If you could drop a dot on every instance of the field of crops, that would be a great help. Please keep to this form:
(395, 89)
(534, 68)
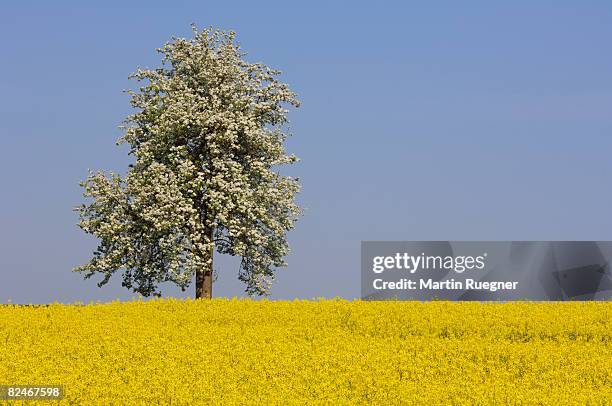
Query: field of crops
(324, 352)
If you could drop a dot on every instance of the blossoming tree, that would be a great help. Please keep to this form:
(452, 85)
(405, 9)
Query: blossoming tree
(207, 136)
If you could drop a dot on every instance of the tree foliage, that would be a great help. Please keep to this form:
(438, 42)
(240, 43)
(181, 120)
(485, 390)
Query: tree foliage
(207, 136)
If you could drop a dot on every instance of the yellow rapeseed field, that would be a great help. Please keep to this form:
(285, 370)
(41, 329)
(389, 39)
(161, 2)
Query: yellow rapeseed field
(319, 352)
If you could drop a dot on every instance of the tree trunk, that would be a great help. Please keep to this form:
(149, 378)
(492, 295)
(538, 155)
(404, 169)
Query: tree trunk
(204, 284)
(204, 278)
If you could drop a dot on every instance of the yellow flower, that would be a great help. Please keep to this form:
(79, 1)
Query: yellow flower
(235, 351)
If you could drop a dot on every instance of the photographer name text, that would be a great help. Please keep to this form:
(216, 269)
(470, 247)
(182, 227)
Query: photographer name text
(414, 263)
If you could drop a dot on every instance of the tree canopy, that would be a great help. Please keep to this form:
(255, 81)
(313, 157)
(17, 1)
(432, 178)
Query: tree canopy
(207, 136)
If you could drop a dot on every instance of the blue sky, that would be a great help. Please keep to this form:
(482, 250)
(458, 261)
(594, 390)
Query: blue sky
(430, 120)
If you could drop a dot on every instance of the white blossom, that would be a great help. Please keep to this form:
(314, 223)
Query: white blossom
(207, 136)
